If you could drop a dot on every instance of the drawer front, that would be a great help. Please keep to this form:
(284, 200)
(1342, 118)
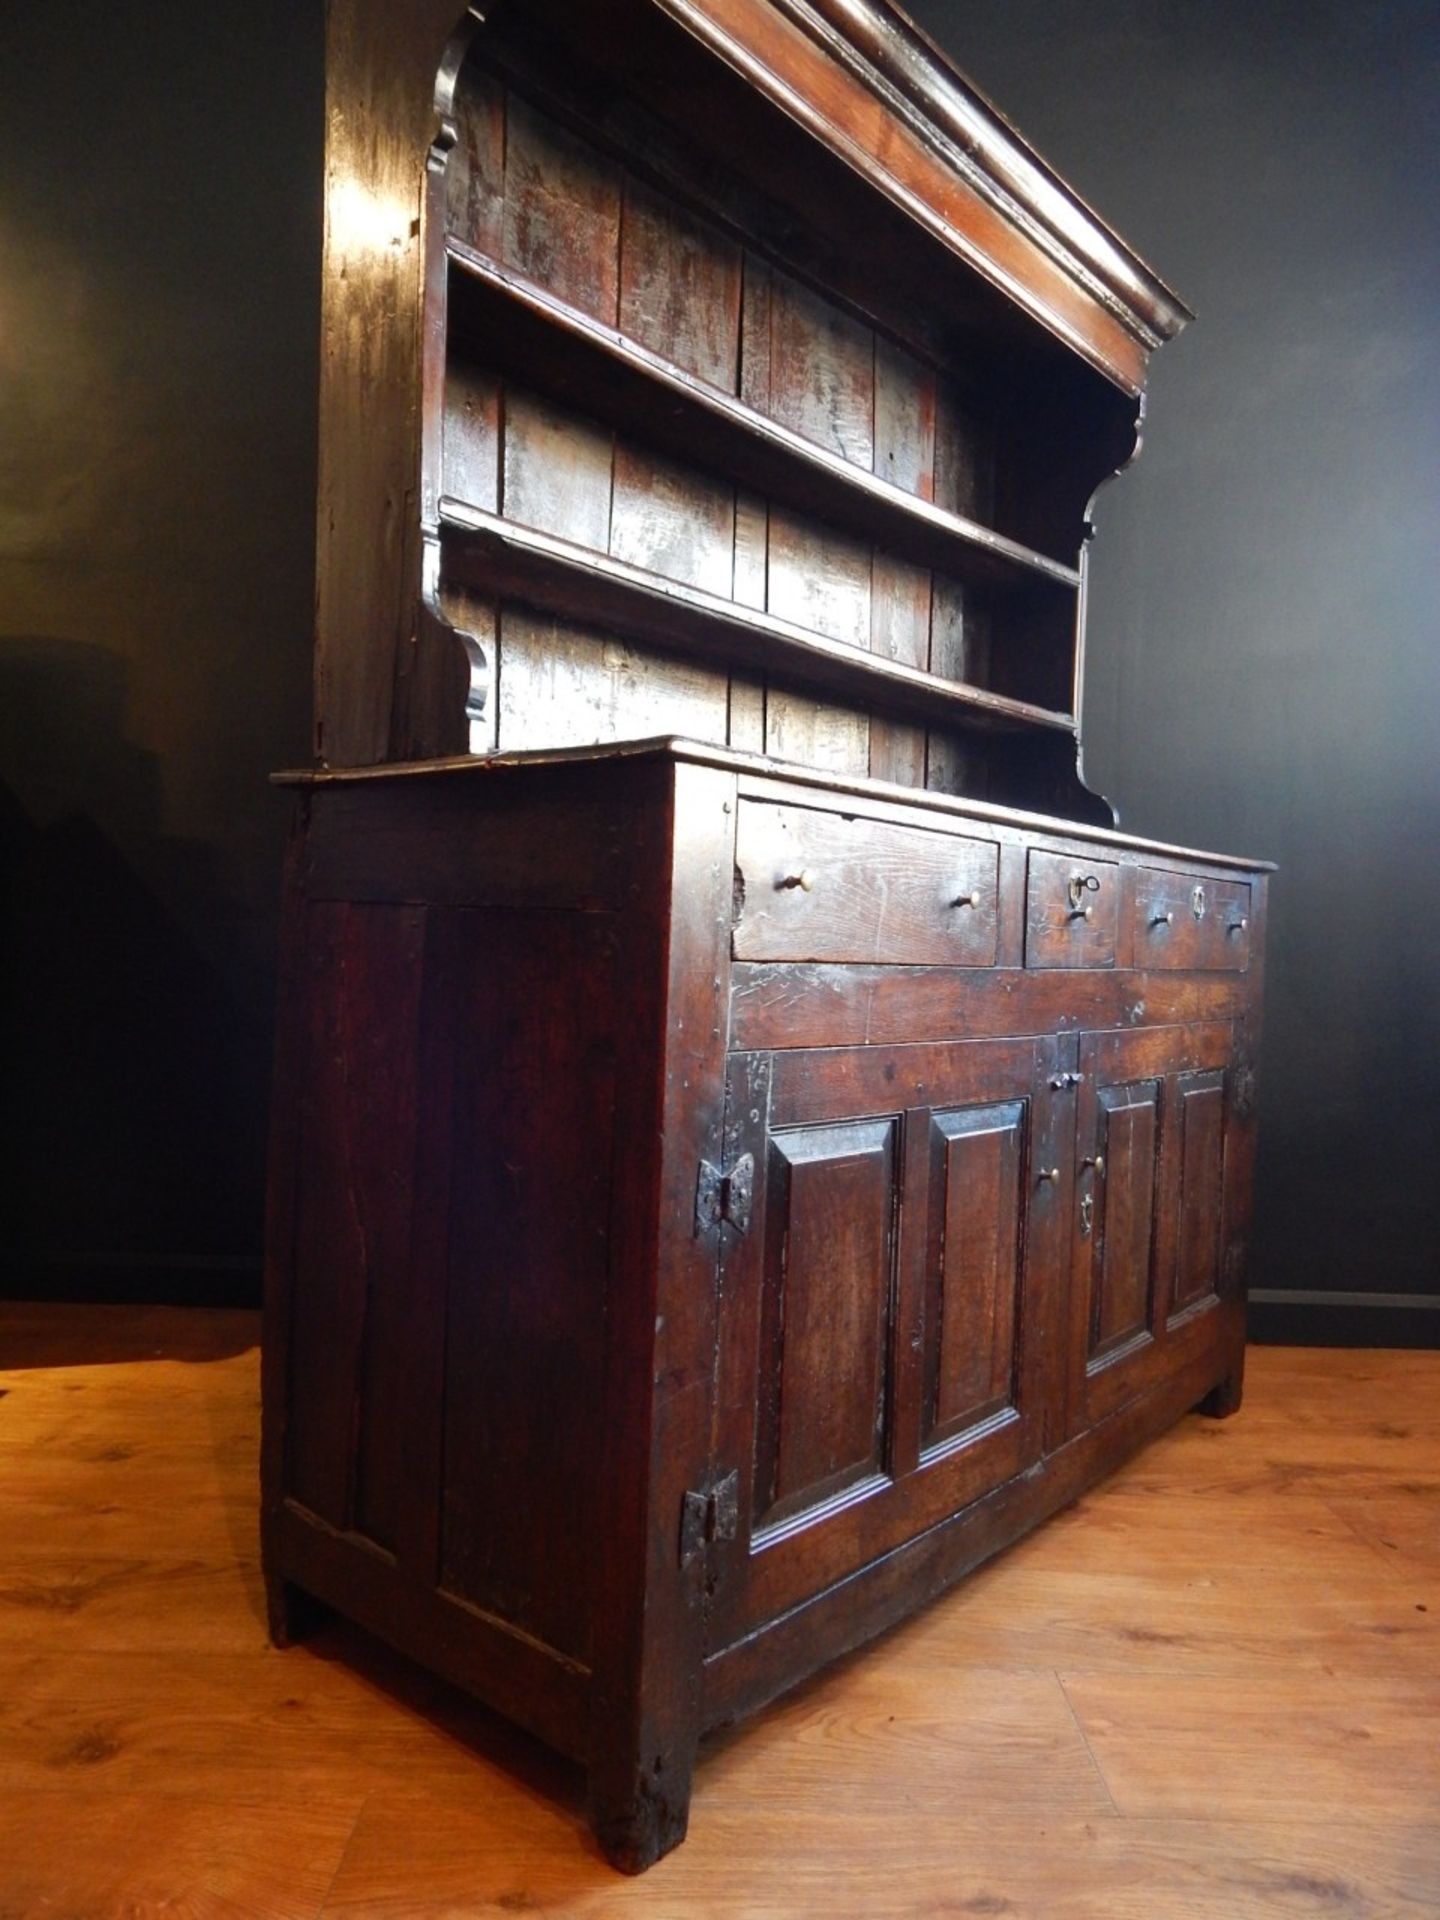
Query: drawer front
(1185, 923)
(1071, 907)
(819, 886)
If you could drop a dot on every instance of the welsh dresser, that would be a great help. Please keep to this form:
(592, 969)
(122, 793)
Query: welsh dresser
(751, 1138)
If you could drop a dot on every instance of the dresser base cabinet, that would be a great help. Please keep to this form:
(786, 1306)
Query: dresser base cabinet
(715, 1206)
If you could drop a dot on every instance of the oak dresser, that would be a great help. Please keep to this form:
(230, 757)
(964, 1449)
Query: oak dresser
(751, 1138)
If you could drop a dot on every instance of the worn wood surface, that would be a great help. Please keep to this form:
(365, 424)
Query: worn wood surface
(614, 1353)
(651, 208)
(1151, 1706)
(812, 887)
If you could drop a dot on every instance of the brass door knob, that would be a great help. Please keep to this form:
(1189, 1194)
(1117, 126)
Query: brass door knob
(804, 880)
(1166, 919)
(1049, 1174)
(968, 899)
(1095, 1160)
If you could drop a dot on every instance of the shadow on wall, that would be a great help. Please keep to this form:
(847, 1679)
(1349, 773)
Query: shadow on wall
(133, 1101)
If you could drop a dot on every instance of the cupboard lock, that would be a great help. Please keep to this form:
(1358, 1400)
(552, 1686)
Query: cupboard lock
(725, 1195)
(709, 1515)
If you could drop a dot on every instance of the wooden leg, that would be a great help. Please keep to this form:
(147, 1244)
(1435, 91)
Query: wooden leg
(1224, 1399)
(293, 1614)
(640, 1814)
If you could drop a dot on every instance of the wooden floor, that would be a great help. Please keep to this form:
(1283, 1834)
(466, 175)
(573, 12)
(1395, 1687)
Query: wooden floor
(1212, 1688)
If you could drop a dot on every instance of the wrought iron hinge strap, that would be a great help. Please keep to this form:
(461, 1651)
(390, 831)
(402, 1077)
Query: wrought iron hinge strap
(709, 1515)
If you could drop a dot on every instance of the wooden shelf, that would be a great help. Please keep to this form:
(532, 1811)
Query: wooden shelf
(498, 556)
(523, 330)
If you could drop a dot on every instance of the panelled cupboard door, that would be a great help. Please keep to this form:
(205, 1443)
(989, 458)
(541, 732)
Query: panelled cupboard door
(879, 1364)
(1152, 1122)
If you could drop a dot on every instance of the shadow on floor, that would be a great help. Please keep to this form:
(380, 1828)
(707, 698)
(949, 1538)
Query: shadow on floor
(39, 1334)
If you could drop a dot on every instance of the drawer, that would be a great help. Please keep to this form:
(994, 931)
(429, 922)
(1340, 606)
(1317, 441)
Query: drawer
(1182, 922)
(1071, 910)
(821, 886)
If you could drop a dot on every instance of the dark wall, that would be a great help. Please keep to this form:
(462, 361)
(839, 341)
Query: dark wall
(1265, 640)
(160, 231)
(1265, 666)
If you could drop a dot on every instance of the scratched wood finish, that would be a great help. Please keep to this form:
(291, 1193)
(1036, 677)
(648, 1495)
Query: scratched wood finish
(1180, 922)
(621, 160)
(825, 1314)
(816, 888)
(715, 1208)
(1152, 1110)
(972, 1264)
(527, 1264)
(991, 1240)
(888, 1434)
(722, 314)
(555, 471)
(1071, 907)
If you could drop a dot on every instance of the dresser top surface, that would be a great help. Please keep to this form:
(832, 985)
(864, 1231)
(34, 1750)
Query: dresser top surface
(467, 767)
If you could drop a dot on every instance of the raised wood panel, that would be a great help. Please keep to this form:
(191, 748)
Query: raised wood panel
(1140, 1244)
(354, 1208)
(826, 1312)
(527, 1265)
(1200, 1233)
(972, 1265)
(1122, 1263)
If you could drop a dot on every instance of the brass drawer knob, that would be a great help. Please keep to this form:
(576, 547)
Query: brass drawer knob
(1240, 925)
(1097, 1161)
(1082, 913)
(1166, 919)
(804, 880)
(1048, 1175)
(971, 899)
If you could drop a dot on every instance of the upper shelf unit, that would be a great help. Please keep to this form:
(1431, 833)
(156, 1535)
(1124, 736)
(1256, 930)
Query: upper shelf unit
(549, 344)
(497, 555)
(774, 247)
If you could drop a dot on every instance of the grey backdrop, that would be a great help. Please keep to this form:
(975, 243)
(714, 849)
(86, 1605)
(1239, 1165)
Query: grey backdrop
(1265, 673)
(1264, 665)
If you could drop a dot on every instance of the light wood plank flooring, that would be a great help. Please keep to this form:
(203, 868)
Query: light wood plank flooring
(1211, 1689)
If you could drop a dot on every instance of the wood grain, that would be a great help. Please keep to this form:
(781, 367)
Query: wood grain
(185, 1852)
(1249, 1648)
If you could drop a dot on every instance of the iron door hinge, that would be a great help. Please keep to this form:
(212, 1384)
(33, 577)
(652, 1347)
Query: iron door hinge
(712, 1515)
(726, 1195)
